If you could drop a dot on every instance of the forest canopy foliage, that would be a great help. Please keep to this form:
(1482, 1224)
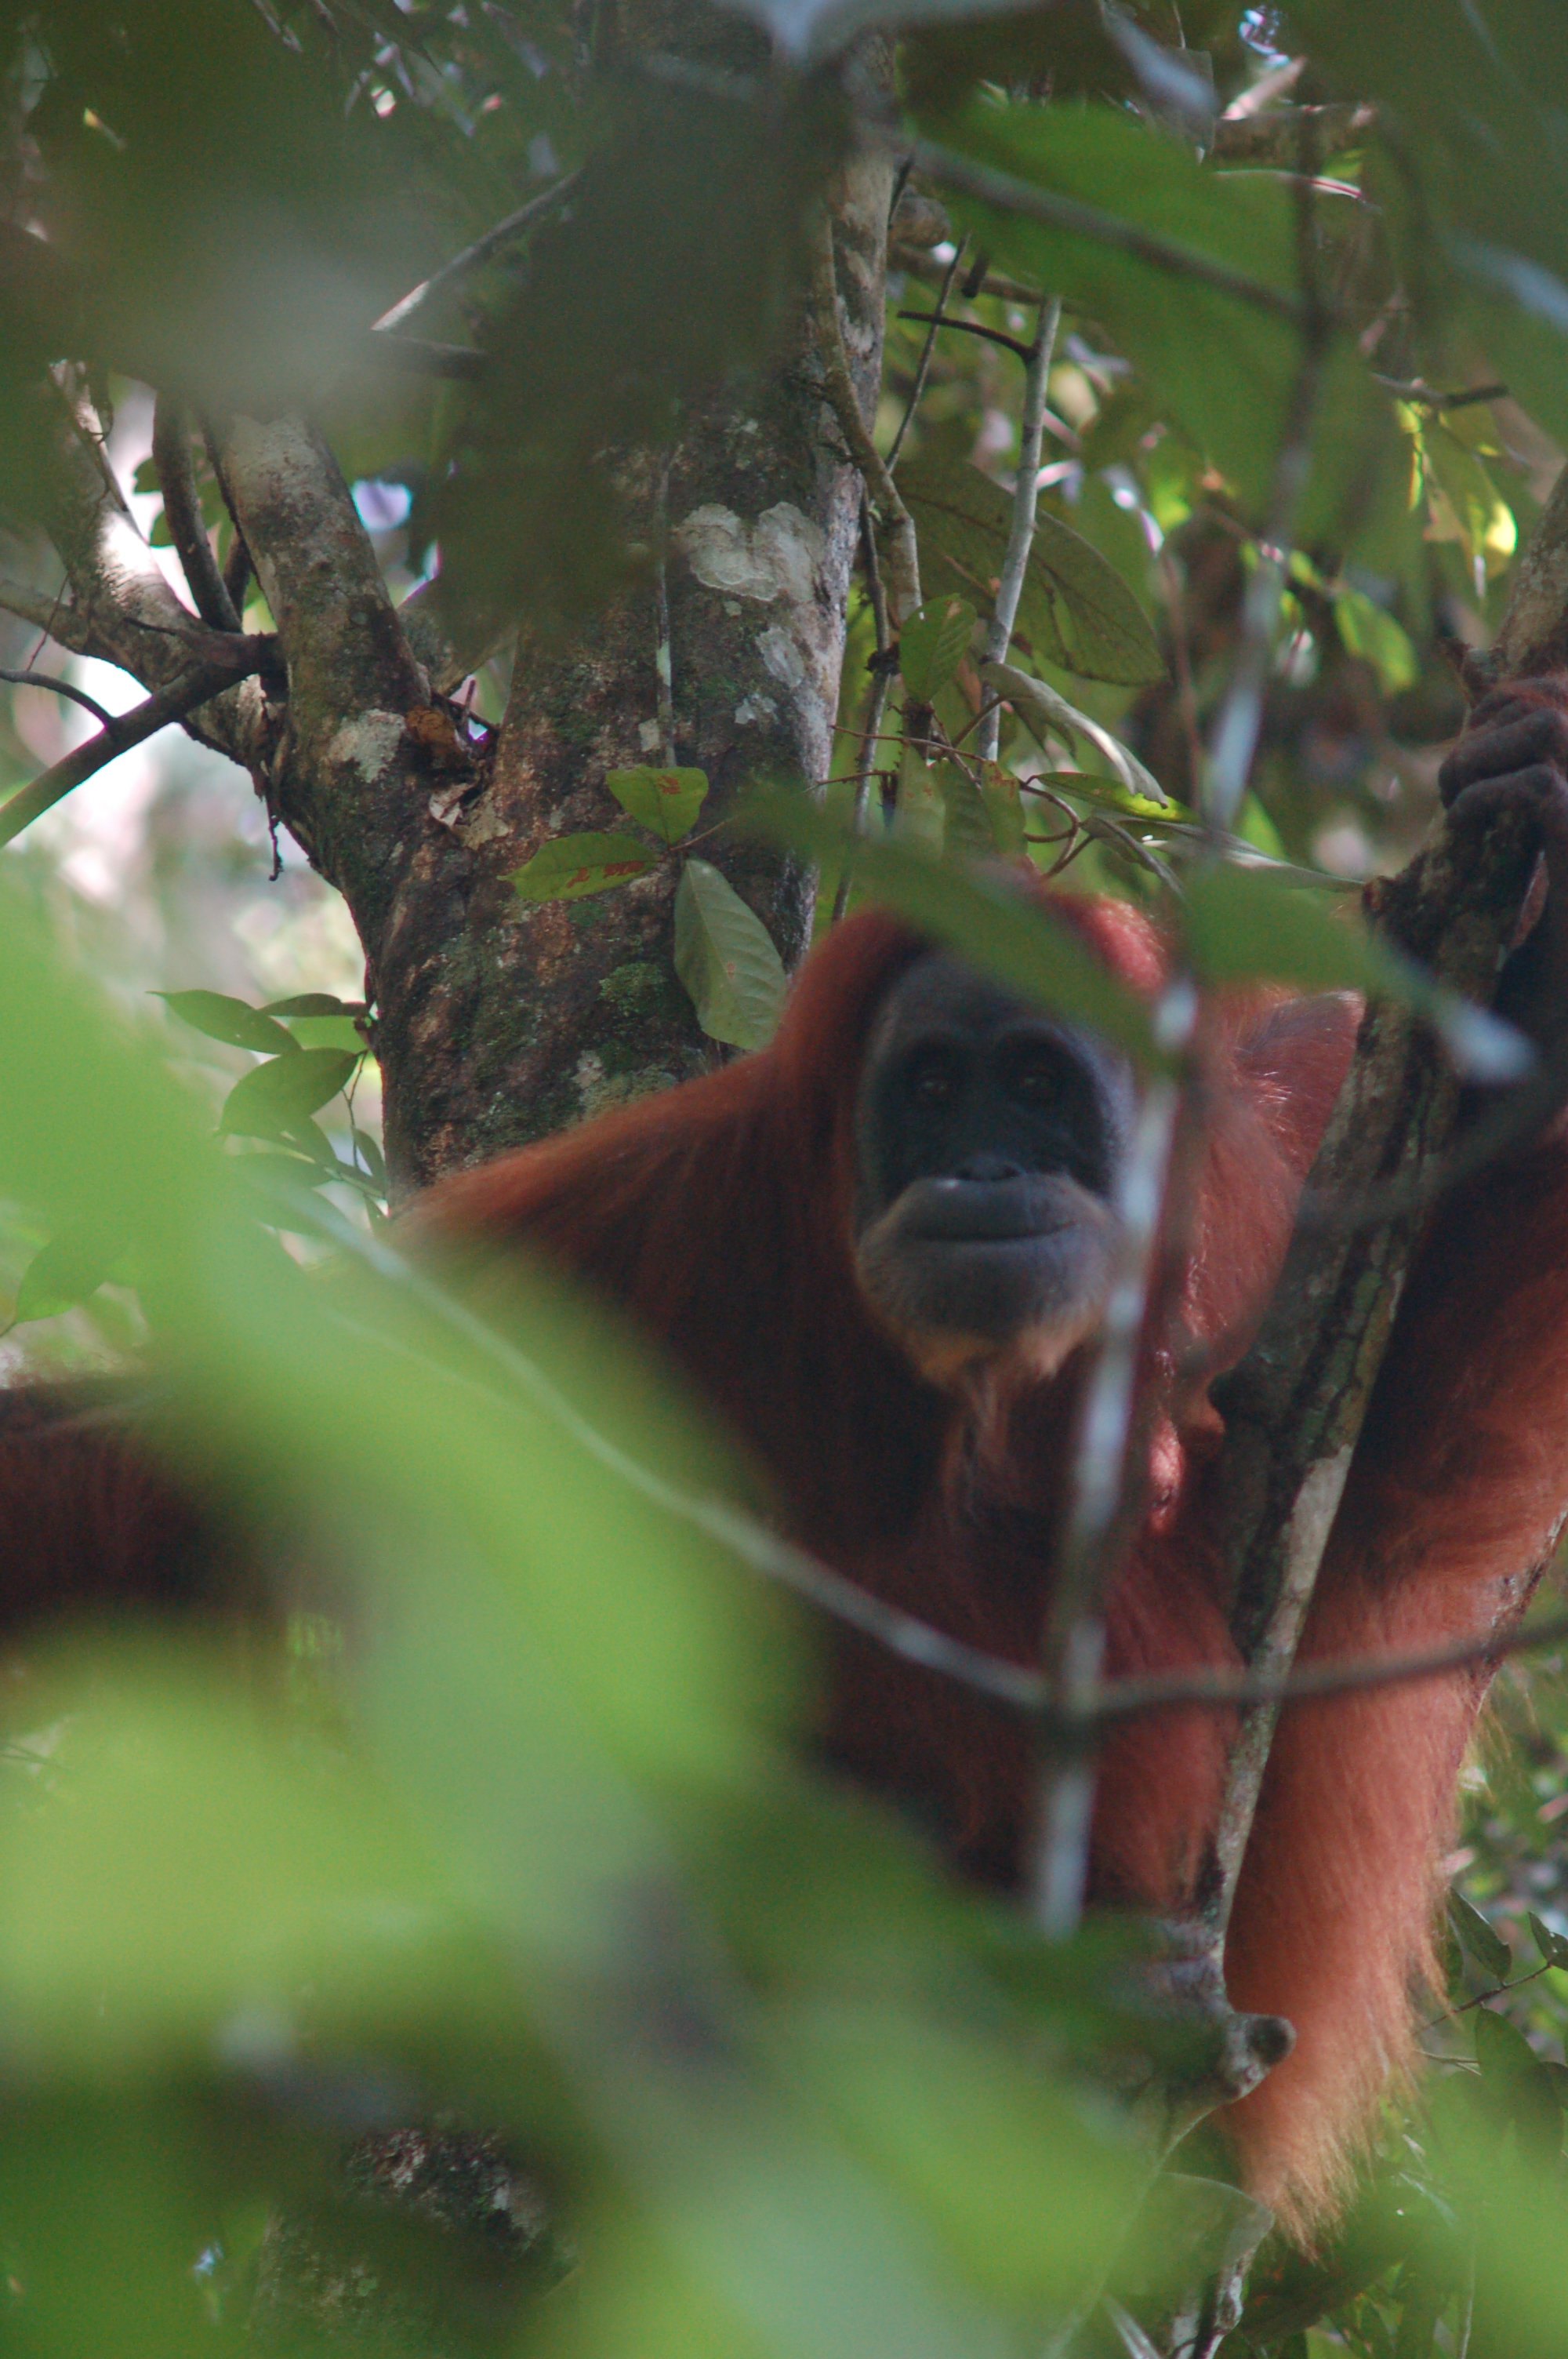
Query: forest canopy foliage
(525, 1847)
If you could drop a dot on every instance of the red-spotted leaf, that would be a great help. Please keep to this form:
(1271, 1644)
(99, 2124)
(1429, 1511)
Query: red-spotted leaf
(568, 866)
(666, 802)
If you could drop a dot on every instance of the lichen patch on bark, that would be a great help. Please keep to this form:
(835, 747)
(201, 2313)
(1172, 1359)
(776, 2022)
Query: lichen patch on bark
(780, 556)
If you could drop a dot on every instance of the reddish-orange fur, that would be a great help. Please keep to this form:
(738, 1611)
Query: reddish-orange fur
(719, 1215)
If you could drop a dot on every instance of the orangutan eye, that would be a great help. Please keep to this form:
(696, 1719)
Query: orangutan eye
(933, 1079)
(1035, 1080)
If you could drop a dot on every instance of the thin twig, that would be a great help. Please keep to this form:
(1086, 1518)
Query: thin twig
(1009, 290)
(194, 686)
(903, 563)
(876, 706)
(1105, 1500)
(469, 259)
(1025, 504)
(1237, 725)
(61, 688)
(54, 616)
(922, 367)
(1009, 194)
(664, 670)
(1424, 397)
(973, 328)
(182, 513)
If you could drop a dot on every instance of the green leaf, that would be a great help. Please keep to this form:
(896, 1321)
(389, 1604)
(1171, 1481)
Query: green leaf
(63, 1273)
(1553, 1947)
(233, 1020)
(1470, 501)
(1370, 631)
(1525, 2090)
(1076, 611)
(933, 644)
(726, 958)
(314, 1003)
(372, 1157)
(283, 1091)
(1479, 1939)
(568, 866)
(666, 802)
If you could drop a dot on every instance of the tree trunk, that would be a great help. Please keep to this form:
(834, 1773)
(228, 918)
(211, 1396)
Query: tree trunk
(501, 1020)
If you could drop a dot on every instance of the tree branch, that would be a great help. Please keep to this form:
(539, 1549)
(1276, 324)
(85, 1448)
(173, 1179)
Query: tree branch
(343, 787)
(504, 232)
(183, 694)
(1025, 504)
(182, 513)
(1294, 1406)
(1275, 137)
(903, 563)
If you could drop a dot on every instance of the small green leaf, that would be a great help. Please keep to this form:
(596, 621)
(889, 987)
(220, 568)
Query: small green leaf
(1465, 500)
(314, 1003)
(283, 1091)
(1526, 2093)
(726, 958)
(1553, 1947)
(933, 644)
(370, 1155)
(61, 1274)
(666, 802)
(1367, 630)
(1479, 1939)
(568, 866)
(233, 1020)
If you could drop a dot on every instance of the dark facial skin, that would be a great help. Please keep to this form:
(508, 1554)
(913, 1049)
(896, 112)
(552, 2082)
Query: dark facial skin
(989, 1143)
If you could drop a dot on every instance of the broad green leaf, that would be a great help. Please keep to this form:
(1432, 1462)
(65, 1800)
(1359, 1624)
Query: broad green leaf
(1076, 611)
(664, 801)
(1479, 1939)
(932, 644)
(1371, 631)
(1524, 2089)
(233, 1020)
(568, 866)
(1467, 501)
(314, 1003)
(266, 1103)
(726, 958)
(66, 1271)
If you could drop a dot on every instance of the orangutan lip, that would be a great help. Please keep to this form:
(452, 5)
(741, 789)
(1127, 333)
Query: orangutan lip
(969, 1211)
